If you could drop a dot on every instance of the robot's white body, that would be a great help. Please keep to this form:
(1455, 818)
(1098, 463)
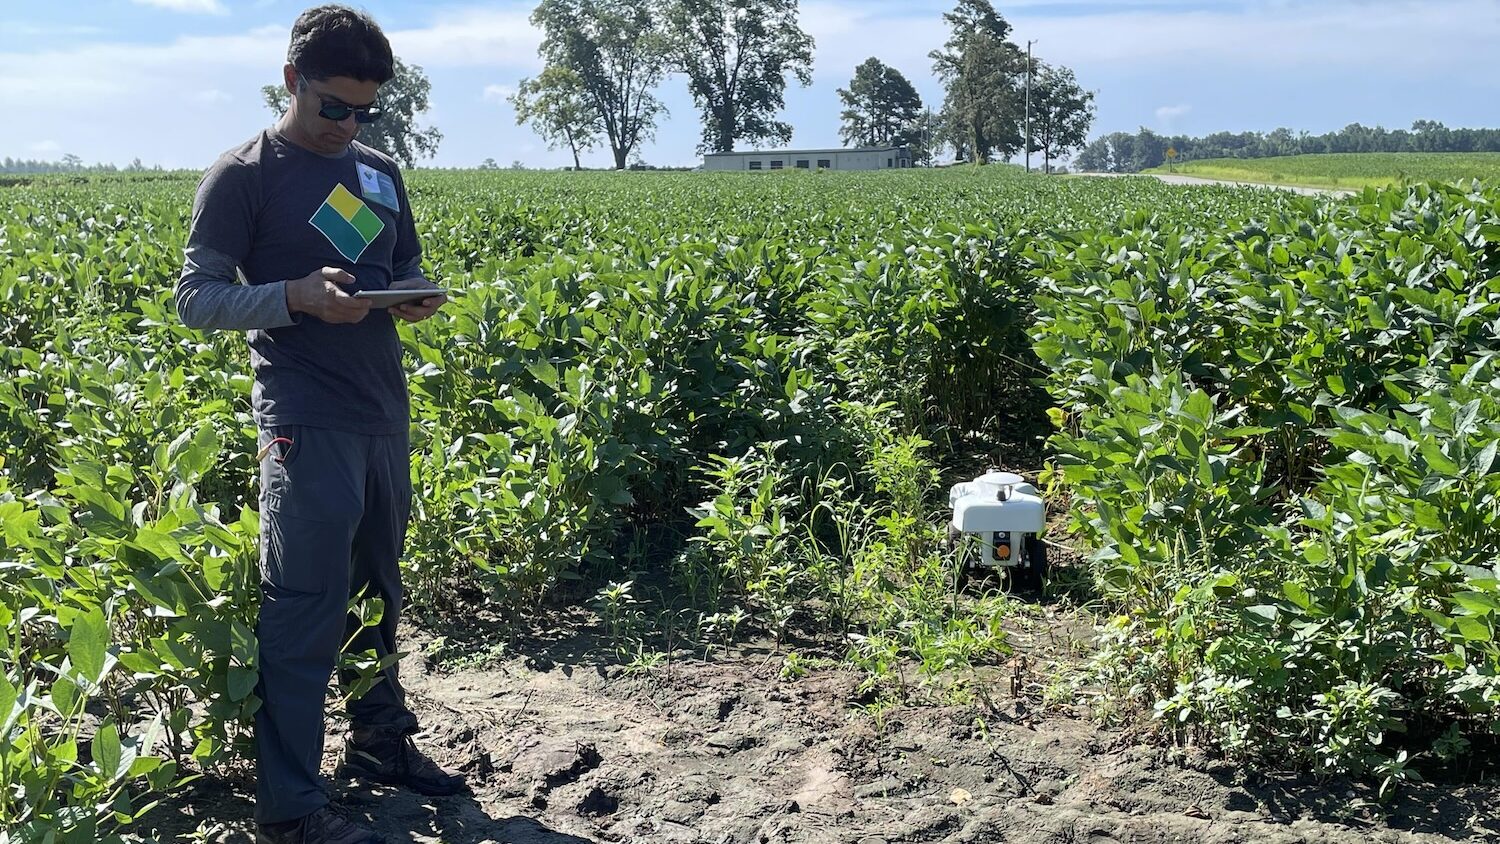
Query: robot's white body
(1009, 517)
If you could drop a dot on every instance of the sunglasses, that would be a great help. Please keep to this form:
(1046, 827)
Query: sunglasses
(340, 111)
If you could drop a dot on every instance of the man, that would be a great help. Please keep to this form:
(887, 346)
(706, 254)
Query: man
(308, 216)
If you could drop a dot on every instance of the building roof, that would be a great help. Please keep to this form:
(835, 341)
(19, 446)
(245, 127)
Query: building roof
(804, 151)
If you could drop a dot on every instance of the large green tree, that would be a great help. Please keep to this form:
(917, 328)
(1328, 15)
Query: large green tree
(558, 108)
(1061, 113)
(619, 53)
(880, 107)
(396, 133)
(737, 55)
(985, 76)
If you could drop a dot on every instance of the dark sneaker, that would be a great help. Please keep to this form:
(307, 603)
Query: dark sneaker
(391, 757)
(325, 826)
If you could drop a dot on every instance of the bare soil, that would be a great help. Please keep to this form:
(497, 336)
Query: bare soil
(563, 745)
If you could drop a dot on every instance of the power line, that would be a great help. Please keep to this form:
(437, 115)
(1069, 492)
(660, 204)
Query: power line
(1028, 103)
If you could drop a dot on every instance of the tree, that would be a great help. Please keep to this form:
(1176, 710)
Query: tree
(395, 133)
(985, 104)
(618, 51)
(1150, 150)
(1061, 113)
(1095, 158)
(880, 107)
(737, 55)
(1122, 152)
(558, 108)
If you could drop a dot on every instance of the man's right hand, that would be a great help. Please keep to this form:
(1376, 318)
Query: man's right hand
(321, 295)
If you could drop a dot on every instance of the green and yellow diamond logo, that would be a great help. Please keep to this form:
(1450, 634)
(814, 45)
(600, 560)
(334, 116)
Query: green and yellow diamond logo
(347, 223)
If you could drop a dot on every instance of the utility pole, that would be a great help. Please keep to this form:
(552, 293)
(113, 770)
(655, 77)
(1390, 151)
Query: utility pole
(1028, 103)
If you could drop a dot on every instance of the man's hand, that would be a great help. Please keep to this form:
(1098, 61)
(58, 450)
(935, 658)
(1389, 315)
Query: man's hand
(320, 295)
(417, 311)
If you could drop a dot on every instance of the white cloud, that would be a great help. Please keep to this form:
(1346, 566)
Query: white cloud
(497, 93)
(1268, 33)
(143, 84)
(46, 147)
(846, 33)
(137, 88)
(472, 38)
(32, 30)
(1166, 113)
(192, 7)
(136, 69)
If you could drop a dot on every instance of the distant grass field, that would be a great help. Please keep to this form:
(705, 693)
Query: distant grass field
(1348, 170)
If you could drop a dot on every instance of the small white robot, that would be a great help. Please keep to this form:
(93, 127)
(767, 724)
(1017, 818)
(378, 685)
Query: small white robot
(1009, 517)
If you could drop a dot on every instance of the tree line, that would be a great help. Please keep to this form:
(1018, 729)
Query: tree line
(1123, 152)
(69, 164)
(605, 59)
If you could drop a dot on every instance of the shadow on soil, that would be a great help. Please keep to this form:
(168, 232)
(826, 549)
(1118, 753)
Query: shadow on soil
(563, 745)
(222, 810)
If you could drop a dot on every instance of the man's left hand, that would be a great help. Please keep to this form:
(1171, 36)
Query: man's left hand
(417, 311)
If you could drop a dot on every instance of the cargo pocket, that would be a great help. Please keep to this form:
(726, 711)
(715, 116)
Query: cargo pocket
(301, 555)
(276, 465)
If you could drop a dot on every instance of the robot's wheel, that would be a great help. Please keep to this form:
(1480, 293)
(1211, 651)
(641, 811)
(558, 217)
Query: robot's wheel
(1032, 575)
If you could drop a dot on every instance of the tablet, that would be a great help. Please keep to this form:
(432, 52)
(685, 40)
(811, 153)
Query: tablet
(386, 298)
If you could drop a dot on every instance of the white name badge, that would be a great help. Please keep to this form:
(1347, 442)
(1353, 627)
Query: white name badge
(378, 187)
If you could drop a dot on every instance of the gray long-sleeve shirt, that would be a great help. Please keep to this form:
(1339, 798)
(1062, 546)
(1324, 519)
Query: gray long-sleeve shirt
(213, 294)
(269, 211)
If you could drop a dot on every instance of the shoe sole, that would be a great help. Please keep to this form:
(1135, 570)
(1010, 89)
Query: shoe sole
(347, 772)
(375, 838)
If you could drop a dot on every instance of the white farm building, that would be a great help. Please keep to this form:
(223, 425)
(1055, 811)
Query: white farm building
(859, 158)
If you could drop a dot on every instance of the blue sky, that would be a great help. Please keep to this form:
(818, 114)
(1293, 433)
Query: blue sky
(174, 82)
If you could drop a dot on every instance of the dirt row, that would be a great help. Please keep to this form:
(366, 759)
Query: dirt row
(563, 747)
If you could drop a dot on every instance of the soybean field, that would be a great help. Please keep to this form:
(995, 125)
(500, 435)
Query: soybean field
(1351, 170)
(681, 451)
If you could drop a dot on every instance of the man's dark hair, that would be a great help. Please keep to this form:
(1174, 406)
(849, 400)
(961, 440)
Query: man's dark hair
(335, 40)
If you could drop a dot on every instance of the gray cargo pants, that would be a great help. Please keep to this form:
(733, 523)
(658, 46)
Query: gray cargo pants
(333, 515)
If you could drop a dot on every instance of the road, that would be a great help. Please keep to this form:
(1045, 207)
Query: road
(1179, 179)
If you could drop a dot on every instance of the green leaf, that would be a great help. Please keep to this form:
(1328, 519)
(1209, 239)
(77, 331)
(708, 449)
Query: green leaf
(243, 643)
(64, 696)
(1479, 603)
(1200, 407)
(159, 545)
(1482, 461)
(216, 569)
(1468, 418)
(1205, 470)
(10, 707)
(108, 755)
(88, 642)
(1296, 594)
(200, 458)
(1473, 629)
(1263, 613)
(1435, 457)
(162, 593)
(241, 682)
(1315, 510)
